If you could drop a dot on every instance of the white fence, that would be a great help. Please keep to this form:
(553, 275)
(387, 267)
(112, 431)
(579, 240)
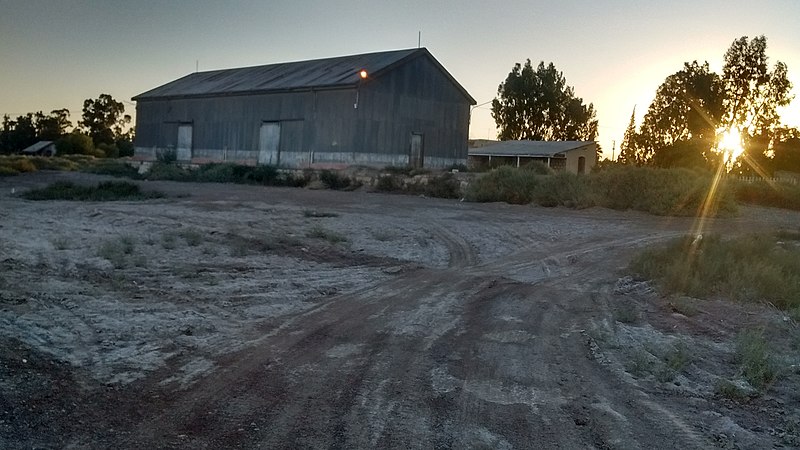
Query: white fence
(787, 180)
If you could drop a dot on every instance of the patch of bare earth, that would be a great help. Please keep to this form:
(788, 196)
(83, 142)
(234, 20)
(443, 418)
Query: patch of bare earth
(236, 317)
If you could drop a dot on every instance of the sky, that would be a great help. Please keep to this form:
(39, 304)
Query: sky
(615, 53)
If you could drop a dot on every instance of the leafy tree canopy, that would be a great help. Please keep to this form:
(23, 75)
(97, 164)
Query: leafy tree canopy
(787, 155)
(30, 128)
(104, 119)
(52, 126)
(628, 149)
(539, 105)
(17, 134)
(752, 92)
(688, 106)
(694, 105)
(76, 143)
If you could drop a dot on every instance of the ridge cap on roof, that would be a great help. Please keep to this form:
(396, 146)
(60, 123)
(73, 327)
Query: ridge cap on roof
(312, 60)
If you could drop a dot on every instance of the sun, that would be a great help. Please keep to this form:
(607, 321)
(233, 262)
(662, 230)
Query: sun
(730, 144)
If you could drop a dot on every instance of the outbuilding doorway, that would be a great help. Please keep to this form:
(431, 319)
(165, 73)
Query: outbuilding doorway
(416, 158)
(183, 151)
(269, 141)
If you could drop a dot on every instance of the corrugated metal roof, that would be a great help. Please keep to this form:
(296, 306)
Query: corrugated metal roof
(529, 148)
(39, 146)
(341, 71)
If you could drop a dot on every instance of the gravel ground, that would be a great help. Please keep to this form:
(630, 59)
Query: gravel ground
(252, 317)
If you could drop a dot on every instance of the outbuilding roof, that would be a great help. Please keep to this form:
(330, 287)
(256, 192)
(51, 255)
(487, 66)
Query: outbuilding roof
(529, 148)
(343, 71)
(37, 147)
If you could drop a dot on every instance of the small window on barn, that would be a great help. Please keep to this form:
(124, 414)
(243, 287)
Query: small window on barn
(581, 164)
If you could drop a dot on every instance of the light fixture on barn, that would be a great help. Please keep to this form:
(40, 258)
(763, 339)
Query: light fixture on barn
(363, 74)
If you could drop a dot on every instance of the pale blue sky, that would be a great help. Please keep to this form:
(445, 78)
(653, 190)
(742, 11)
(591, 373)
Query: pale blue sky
(55, 54)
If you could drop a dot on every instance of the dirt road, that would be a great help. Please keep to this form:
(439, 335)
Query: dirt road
(251, 317)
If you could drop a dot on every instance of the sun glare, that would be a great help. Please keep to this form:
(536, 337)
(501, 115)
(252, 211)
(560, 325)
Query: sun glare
(730, 144)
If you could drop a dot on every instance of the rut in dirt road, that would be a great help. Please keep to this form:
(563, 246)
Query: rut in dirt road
(430, 359)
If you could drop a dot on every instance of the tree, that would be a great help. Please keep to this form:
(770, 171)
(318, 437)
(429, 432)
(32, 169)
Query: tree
(786, 150)
(75, 143)
(17, 134)
(753, 93)
(753, 96)
(688, 107)
(695, 106)
(104, 120)
(539, 105)
(628, 147)
(53, 126)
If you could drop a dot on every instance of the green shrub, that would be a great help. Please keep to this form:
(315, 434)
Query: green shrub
(562, 189)
(109, 150)
(778, 195)
(115, 168)
(192, 237)
(319, 214)
(714, 266)
(728, 389)
(322, 233)
(294, 180)
(388, 183)
(678, 358)
(538, 168)
(166, 171)
(125, 147)
(20, 164)
(168, 240)
(640, 364)
(167, 155)
(105, 191)
(75, 143)
(399, 170)
(333, 180)
(15, 164)
(219, 173)
(757, 364)
(226, 173)
(443, 186)
(6, 171)
(54, 163)
(266, 175)
(117, 250)
(504, 184)
(677, 192)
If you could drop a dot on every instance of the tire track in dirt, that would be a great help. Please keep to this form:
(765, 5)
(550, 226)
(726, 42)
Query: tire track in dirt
(462, 254)
(378, 395)
(490, 355)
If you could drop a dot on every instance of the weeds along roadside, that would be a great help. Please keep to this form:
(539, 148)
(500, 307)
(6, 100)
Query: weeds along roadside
(762, 268)
(673, 192)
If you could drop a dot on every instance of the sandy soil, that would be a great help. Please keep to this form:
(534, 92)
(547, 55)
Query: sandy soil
(248, 317)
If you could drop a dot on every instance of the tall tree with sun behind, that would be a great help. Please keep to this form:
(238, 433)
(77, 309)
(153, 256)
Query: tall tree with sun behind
(680, 125)
(699, 117)
(753, 95)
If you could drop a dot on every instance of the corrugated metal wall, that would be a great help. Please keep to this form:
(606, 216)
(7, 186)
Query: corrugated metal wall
(415, 98)
(370, 125)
